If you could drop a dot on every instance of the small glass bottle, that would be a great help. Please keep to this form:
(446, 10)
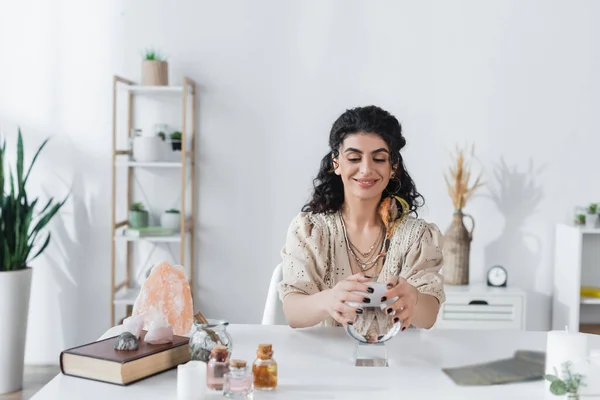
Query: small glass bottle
(265, 368)
(217, 367)
(238, 381)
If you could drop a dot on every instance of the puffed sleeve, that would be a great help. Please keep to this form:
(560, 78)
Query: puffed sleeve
(424, 261)
(303, 256)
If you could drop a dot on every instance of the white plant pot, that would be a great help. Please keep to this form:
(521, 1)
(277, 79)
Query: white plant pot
(170, 220)
(591, 220)
(15, 288)
(148, 148)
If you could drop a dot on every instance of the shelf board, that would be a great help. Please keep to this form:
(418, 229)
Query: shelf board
(126, 296)
(153, 89)
(590, 231)
(590, 300)
(152, 164)
(155, 239)
(582, 229)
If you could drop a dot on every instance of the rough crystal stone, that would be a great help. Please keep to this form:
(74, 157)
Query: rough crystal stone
(126, 341)
(134, 324)
(159, 335)
(166, 299)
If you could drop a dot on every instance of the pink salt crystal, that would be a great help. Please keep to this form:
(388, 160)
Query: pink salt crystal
(160, 335)
(166, 299)
(134, 324)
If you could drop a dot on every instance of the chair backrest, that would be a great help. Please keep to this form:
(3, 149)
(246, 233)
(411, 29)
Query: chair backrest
(273, 312)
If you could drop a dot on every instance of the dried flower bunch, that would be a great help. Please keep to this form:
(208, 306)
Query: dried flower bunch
(458, 182)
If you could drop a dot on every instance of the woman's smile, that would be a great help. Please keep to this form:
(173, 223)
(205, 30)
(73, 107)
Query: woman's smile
(365, 183)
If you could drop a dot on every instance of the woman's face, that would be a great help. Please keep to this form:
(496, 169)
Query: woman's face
(364, 165)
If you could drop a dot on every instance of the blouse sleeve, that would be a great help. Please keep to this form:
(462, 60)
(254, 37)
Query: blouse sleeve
(302, 257)
(423, 262)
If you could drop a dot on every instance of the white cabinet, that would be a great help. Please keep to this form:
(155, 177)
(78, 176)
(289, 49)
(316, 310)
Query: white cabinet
(576, 264)
(478, 306)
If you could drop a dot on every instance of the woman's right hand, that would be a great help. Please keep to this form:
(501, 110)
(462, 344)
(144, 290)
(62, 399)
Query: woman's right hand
(336, 298)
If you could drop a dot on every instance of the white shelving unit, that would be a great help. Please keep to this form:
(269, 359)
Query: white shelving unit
(576, 264)
(125, 292)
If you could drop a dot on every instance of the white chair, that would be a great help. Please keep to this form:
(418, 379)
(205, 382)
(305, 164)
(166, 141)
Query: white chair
(273, 312)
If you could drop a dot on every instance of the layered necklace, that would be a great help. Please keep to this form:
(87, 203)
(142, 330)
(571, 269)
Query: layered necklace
(370, 258)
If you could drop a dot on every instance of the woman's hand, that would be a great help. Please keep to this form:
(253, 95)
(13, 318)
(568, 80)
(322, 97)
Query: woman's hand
(335, 301)
(403, 309)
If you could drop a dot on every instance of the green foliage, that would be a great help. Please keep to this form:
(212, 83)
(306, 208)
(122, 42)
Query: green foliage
(172, 211)
(592, 208)
(153, 55)
(580, 218)
(137, 207)
(176, 135)
(162, 135)
(568, 383)
(20, 224)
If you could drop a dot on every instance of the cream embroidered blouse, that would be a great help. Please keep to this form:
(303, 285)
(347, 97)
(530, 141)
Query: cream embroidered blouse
(315, 256)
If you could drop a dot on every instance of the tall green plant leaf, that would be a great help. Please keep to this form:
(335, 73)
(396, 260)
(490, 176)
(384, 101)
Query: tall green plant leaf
(46, 243)
(20, 164)
(2, 170)
(37, 153)
(20, 224)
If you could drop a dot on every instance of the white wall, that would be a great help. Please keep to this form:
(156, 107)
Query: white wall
(516, 78)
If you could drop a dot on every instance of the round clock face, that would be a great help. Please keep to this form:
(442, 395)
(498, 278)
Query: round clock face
(497, 276)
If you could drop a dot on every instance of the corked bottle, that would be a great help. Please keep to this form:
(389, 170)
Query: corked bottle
(265, 368)
(218, 366)
(238, 381)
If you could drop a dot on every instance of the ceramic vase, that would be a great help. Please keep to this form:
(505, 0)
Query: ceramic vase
(15, 289)
(457, 250)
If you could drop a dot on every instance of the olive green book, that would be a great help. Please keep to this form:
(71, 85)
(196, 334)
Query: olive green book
(523, 366)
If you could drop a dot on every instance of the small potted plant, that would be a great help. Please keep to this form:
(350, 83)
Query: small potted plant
(591, 215)
(568, 384)
(155, 69)
(138, 216)
(171, 219)
(147, 148)
(176, 141)
(580, 219)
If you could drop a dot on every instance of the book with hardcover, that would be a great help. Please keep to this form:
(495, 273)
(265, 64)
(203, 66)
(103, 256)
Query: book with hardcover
(99, 360)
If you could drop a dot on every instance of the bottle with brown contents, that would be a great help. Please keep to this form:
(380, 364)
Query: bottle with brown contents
(217, 367)
(264, 368)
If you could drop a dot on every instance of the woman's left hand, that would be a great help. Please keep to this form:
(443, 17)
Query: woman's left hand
(403, 308)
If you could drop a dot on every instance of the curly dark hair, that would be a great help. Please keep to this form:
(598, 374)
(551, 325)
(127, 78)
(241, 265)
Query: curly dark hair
(328, 193)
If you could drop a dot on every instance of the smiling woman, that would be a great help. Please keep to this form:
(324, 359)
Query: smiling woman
(361, 226)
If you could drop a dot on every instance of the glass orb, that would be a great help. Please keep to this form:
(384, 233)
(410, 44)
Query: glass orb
(373, 326)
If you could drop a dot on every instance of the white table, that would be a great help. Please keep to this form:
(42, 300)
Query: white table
(317, 364)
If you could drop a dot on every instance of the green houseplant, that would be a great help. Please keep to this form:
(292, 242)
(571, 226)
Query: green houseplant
(155, 69)
(176, 140)
(567, 384)
(171, 219)
(138, 216)
(22, 239)
(592, 215)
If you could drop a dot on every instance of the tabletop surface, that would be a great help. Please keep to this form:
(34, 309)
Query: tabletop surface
(316, 363)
